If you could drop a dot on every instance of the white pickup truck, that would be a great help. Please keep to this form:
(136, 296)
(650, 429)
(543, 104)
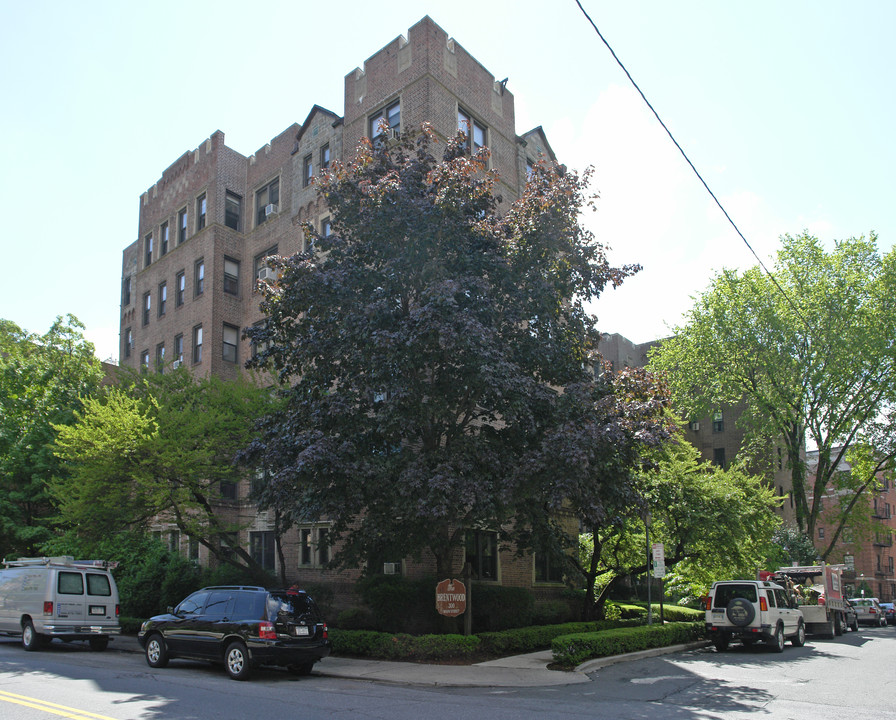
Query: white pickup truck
(819, 591)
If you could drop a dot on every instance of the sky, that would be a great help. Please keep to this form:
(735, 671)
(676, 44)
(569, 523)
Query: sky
(787, 110)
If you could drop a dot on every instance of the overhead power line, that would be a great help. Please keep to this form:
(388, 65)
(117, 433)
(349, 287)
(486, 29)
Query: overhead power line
(688, 160)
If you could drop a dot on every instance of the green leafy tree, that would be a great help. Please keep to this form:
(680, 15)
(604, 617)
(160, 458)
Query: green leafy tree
(810, 351)
(43, 381)
(158, 445)
(713, 522)
(431, 350)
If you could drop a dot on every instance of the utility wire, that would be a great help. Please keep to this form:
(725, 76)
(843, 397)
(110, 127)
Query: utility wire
(699, 177)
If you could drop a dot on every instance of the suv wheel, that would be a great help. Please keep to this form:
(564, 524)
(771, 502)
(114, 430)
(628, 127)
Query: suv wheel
(799, 639)
(301, 668)
(156, 652)
(236, 660)
(777, 640)
(740, 612)
(721, 643)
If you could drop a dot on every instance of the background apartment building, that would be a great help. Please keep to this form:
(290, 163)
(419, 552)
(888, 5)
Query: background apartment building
(206, 226)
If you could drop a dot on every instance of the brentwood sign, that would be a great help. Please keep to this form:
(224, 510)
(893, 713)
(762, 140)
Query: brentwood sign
(451, 598)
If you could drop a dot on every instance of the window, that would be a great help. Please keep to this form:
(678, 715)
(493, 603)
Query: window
(163, 298)
(70, 583)
(718, 423)
(311, 539)
(199, 278)
(128, 342)
(718, 457)
(181, 226)
(307, 171)
(179, 348)
(201, 210)
(325, 157)
(261, 548)
(232, 206)
(197, 344)
(547, 569)
(163, 239)
(325, 228)
(144, 361)
(180, 285)
(258, 263)
(390, 116)
(821, 533)
(267, 201)
(230, 343)
(259, 347)
(482, 554)
(147, 250)
(160, 356)
(193, 550)
(174, 541)
(126, 291)
(231, 276)
(147, 305)
(473, 129)
(228, 490)
(98, 585)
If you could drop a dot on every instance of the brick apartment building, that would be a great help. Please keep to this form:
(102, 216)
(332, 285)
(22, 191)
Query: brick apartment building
(206, 226)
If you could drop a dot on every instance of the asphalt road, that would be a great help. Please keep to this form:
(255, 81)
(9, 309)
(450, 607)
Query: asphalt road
(846, 677)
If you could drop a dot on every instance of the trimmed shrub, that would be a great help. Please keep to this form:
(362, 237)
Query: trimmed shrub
(496, 607)
(571, 650)
(552, 612)
(401, 646)
(398, 604)
(531, 639)
(354, 619)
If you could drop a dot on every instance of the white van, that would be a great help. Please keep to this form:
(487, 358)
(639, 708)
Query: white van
(58, 597)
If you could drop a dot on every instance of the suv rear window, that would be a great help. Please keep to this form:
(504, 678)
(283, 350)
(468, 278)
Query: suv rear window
(287, 604)
(726, 593)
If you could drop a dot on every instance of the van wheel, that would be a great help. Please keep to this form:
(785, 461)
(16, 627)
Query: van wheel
(98, 644)
(156, 652)
(30, 639)
(236, 660)
(777, 640)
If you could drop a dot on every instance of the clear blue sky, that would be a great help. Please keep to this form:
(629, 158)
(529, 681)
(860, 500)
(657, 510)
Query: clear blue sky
(786, 108)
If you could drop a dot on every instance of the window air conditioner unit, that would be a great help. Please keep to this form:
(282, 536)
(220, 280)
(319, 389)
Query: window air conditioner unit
(267, 273)
(270, 209)
(391, 568)
(176, 364)
(392, 133)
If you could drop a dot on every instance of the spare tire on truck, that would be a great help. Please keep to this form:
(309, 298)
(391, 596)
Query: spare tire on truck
(740, 612)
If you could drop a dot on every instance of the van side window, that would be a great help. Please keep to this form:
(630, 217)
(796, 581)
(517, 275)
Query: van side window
(98, 585)
(70, 583)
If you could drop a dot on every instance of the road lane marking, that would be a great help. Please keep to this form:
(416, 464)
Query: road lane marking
(49, 707)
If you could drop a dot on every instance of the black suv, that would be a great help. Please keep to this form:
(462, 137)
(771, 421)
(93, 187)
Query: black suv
(241, 627)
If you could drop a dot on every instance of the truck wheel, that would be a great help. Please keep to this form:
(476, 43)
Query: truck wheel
(799, 639)
(30, 639)
(777, 640)
(855, 625)
(832, 631)
(838, 624)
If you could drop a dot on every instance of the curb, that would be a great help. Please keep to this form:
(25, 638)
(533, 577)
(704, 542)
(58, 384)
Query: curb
(598, 663)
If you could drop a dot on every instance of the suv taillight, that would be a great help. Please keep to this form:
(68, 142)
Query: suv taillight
(48, 607)
(707, 603)
(763, 605)
(266, 630)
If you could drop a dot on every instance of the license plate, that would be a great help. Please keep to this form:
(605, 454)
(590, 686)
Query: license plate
(300, 630)
(97, 609)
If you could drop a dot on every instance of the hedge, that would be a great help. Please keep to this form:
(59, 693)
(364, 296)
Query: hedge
(540, 637)
(401, 646)
(571, 650)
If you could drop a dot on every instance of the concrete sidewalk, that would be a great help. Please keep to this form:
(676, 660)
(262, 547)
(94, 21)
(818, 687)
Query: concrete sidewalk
(530, 670)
